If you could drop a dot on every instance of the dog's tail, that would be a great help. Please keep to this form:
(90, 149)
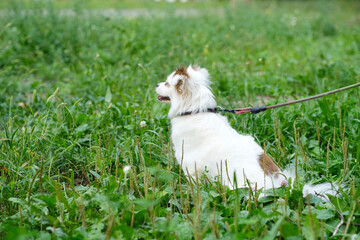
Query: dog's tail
(316, 189)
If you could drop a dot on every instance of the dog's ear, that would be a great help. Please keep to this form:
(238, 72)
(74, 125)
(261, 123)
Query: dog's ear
(195, 67)
(181, 81)
(198, 69)
(180, 86)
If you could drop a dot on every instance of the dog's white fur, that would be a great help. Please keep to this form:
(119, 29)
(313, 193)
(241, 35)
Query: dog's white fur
(205, 141)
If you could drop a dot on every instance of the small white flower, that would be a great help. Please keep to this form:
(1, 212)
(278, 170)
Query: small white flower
(260, 59)
(126, 169)
(232, 27)
(142, 124)
(21, 104)
(293, 21)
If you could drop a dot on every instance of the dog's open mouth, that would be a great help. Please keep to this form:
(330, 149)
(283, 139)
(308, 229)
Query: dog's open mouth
(163, 99)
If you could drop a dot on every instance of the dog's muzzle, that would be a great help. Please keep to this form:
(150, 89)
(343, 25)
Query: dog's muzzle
(163, 99)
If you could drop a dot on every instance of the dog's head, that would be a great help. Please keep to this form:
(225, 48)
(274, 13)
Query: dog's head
(187, 89)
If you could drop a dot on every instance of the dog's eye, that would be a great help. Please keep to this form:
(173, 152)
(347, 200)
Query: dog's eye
(167, 84)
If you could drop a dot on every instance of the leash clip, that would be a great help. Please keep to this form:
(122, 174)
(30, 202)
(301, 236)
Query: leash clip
(256, 110)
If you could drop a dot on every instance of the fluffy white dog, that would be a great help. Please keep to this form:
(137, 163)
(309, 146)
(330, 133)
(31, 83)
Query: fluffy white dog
(204, 141)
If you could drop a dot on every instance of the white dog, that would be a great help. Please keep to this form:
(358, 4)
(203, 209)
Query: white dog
(204, 141)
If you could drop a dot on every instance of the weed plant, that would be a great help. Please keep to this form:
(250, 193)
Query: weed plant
(75, 86)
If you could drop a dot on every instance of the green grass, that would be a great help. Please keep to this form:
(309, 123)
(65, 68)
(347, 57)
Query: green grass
(120, 4)
(74, 89)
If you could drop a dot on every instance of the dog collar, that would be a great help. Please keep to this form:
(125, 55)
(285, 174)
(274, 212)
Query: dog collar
(213, 110)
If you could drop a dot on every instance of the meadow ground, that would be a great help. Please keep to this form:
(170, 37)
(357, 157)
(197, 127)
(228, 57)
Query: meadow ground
(74, 89)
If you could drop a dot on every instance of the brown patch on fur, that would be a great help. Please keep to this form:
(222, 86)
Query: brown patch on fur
(179, 86)
(182, 71)
(267, 165)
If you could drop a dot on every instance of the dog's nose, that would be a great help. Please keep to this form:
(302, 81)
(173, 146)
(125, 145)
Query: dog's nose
(157, 84)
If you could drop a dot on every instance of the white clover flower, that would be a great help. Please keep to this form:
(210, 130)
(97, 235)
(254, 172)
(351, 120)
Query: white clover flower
(126, 169)
(21, 104)
(142, 124)
(293, 21)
